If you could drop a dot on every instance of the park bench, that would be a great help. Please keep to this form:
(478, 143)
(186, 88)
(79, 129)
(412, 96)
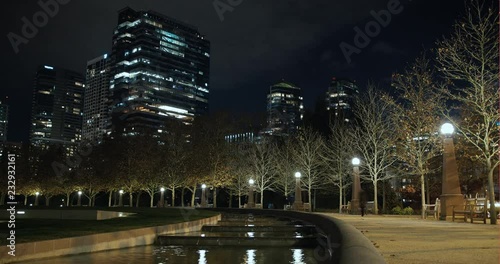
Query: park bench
(473, 208)
(433, 209)
(346, 208)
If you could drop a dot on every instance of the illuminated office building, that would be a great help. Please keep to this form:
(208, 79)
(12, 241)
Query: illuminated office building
(95, 109)
(340, 99)
(57, 109)
(160, 73)
(285, 109)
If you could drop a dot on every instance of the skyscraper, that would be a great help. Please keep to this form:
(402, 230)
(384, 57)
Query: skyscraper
(340, 99)
(160, 72)
(95, 109)
(285, 109)
(4, 121)
(57, 108)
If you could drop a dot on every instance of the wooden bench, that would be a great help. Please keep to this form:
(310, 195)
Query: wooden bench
(473, 208)
(433, 209)
(346, 208)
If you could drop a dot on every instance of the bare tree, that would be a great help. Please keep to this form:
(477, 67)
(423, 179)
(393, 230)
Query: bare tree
(374, 137)
(240, 171)
(285, 168)
(469, 59)
(261, 167)
(417, 121)
(307, 154)
(338, 154)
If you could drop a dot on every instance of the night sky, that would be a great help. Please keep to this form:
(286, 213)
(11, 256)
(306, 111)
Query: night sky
(256, 44)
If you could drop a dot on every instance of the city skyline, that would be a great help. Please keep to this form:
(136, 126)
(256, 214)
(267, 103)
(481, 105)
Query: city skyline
(248, 56)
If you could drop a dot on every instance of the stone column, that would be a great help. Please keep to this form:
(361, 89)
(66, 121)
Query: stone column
(356, 188)
(451, 193)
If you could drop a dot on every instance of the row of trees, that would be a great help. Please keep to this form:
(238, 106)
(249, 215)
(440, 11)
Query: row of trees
(394, 134)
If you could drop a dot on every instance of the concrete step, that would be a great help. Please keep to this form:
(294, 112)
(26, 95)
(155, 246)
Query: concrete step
(307, 229)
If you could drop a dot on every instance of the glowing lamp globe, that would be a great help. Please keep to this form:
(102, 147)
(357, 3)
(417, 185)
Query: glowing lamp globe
(356, 162)
(447, 129)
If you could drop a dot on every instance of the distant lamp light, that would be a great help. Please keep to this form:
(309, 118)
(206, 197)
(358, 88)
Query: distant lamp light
(356, 162)
(121, 191)
(447, 129)
(37, 193)
(79, 192)
(162, 189)
(251, 181)
(298, 175)
(203, 186)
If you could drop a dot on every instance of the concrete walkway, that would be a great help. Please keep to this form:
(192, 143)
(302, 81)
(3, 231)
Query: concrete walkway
(410, 240)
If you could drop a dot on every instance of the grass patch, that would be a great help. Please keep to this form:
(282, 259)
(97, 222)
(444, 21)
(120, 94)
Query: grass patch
(30, 230)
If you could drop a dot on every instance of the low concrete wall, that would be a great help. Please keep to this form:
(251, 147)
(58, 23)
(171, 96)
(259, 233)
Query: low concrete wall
(343, 243)
(100, 242)
(64, 214)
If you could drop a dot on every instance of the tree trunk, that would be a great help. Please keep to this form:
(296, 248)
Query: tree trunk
(384, 200)
(25, 199)
(173, 196)
(47, 200)
(341, 193)
(138, 198)
(427, 190)
(131, 199)
(193, 195)
(239, 199)
(151, 200)
(314, 201)
(68, 197)
(375, 194)
(230, 199)
(215, 198)
(262, 199)
(422, 193)
(182, 196)
(309, 196)
(110, 198)
(491, 194)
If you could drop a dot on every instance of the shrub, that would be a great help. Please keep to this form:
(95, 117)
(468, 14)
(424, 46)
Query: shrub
(397, 210)
(408, 211)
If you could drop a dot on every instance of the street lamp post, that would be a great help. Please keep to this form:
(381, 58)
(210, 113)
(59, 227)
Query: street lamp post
(161, 203)
(203, 195)
(120, 201)
(36, 198)
(298, 204)
(451, 194)
(251, 203)
(356, 186)
(79, 203)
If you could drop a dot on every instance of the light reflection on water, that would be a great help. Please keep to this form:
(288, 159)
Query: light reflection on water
(189, 255)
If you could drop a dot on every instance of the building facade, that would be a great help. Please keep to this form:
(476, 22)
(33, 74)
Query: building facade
(4, 121)
(96, 110)
(285, 109)
(340, 99)
(160, 73)
(57, 110)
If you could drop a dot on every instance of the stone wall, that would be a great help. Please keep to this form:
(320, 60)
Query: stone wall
(100, 242)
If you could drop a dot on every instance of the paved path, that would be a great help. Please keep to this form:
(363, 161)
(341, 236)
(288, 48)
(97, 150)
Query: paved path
(412, 241)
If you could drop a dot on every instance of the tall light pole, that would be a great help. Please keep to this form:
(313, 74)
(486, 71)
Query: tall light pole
(203, 195)
(251, 203)
(451, 193)
(79, 203)
(36, 198)
(356, 186)
(161, 203)
(120, 201)
(297, 204)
